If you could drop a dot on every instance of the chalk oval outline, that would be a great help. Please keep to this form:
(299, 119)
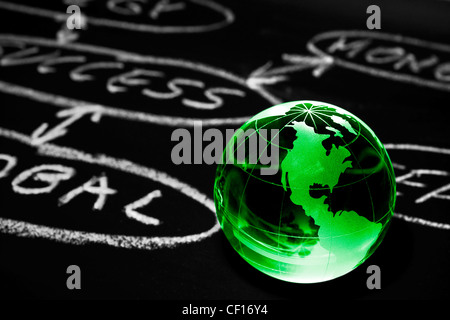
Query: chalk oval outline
(123, 56)
(117, 24)
(30, 230)
(420, 148)
(376, 72)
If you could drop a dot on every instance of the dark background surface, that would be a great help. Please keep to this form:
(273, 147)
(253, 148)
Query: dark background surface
(414, 258)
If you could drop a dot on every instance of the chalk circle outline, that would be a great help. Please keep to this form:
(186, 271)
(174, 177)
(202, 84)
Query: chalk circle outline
(30, 230)
(227, 14)
(377, 72)
(419, 148)
(123, 56)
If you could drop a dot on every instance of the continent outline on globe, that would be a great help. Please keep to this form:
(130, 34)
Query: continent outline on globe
(316, 235)
(316, 208)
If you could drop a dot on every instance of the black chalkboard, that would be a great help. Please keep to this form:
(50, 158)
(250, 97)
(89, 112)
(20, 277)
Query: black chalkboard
(91, 111)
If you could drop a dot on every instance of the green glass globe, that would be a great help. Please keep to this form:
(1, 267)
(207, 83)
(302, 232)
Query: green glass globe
(324, 209)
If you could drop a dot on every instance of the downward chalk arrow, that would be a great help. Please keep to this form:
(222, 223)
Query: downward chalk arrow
(42, 134)
(267, 74)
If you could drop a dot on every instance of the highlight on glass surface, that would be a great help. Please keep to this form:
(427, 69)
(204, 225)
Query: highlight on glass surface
(328, 206)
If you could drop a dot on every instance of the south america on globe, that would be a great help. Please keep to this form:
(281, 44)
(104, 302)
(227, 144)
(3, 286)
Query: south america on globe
(327, 207)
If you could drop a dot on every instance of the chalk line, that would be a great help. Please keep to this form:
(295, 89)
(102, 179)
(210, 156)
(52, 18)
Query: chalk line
(10, 163)
(419, 172)
(65, 35)
(322, 61)
(65, 102)
(77, 73)
(20, 57)
(266, 74)
(128, 79)
(435, 194)
(30, 230)
(165, 6)
(227, 18)
(122, 56)
(376, 72)
(416, 147)
(423, 222)
(421, 148)
(42, 135)
(398, 38)
(46, 65)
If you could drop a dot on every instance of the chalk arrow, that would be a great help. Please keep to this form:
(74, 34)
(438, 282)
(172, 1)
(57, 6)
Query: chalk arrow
(267, 74)
(42, 134)
(65, 36)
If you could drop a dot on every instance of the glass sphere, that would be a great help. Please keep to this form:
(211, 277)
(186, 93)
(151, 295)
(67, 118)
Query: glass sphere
(308, 199)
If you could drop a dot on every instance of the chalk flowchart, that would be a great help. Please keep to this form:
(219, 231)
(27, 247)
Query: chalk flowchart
(378, 54)
(418, 178)
(99, 187)
(76, 237)
(133, 71)
(392, 62)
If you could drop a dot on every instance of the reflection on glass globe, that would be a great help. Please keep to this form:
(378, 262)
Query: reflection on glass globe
(324, 210)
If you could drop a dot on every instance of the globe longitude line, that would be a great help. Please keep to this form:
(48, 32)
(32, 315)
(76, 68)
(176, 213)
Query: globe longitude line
(316, 113)
(268, 142)
(330, 249)
(305, 111)
(333, 231)
(300, 112)
(284, 193)
(368, 188)
(281, 207)
(276, 119)
(308, 112)
(256, 131)
(290, 115)
(249, 175)
(248, 137)
(381, 156)
(365, 177)
(279, 229)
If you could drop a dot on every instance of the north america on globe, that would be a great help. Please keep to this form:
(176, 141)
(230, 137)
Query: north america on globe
(327, 208)
(309, 154)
